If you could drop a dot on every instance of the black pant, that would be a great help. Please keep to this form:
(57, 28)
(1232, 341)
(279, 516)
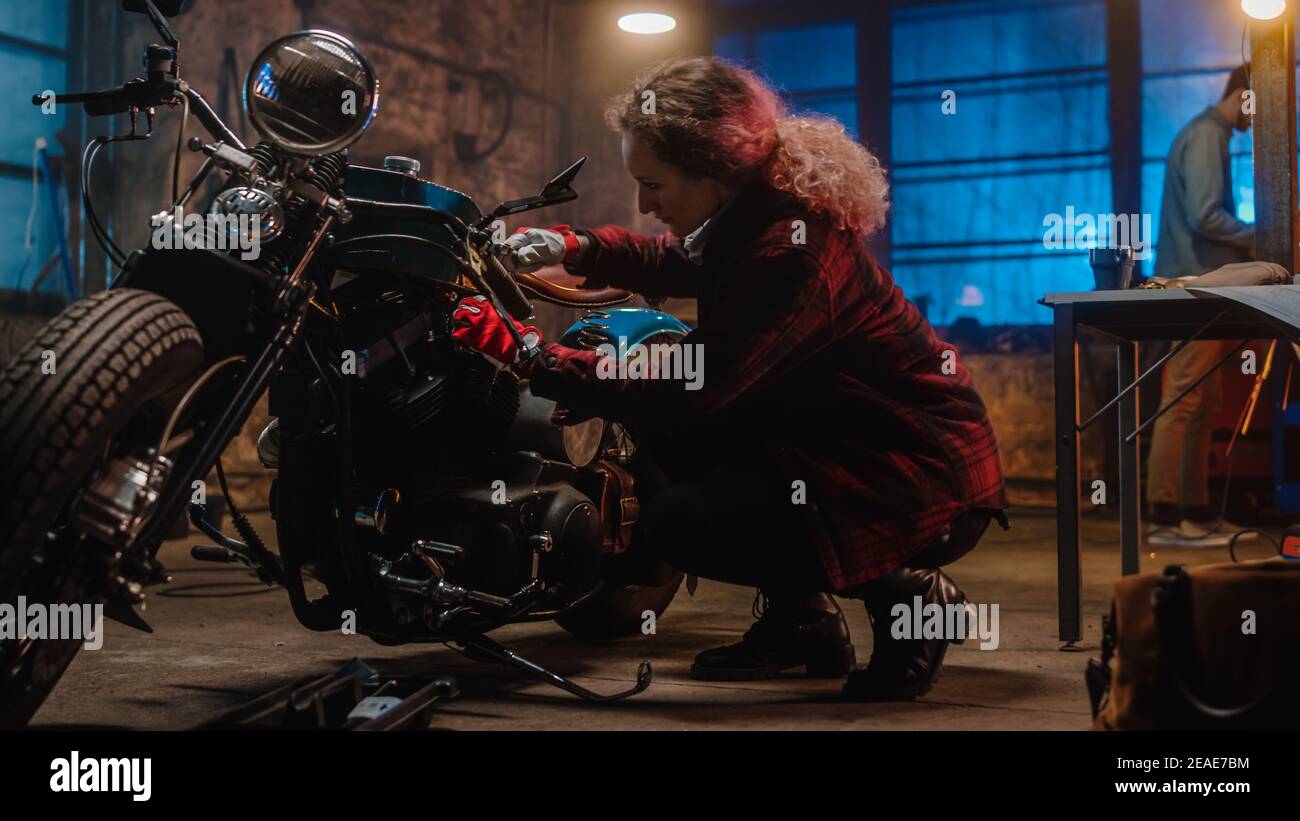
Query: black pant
(735, 527)
(740, 524)
(712, 511)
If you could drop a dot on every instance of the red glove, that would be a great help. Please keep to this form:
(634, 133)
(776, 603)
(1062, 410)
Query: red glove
(477, 325)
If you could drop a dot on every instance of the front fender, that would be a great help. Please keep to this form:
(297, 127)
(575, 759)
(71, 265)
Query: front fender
(635, 325)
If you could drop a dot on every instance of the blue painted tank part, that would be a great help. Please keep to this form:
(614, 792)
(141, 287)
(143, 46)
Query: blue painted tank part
(636, 325)
(387, 253)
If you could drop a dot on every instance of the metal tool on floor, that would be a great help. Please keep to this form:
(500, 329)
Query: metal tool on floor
(482, 648)
(353, 697)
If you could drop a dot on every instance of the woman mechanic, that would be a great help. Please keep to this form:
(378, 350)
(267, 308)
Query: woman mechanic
(835, 446)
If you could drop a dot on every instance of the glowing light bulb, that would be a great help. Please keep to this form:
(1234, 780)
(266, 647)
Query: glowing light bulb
(647, 23)
(1263, 9)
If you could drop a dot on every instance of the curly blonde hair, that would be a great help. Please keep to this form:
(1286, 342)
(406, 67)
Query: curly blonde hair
(712, 118)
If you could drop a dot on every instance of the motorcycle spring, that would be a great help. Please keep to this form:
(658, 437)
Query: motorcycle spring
(328, 171)
(593, 332)
(265, 156)
(273, 260)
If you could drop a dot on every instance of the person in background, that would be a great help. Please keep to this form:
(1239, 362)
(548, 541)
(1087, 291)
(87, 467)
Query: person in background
(1199, 232)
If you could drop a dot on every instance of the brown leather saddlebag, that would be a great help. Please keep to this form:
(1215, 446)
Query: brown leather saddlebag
(1209, 647)
(619, 507)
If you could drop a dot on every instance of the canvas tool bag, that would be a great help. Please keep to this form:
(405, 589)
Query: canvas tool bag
(1209, 647)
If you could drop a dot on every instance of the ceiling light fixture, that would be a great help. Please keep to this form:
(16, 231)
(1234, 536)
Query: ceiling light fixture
(647, 23)
(1263, 9)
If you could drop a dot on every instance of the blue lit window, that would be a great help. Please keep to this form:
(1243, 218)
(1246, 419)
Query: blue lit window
(814, 67)
(1188, 49)
(33, 58)
(1029, 138)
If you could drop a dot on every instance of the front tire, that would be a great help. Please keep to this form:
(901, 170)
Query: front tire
(63, 400)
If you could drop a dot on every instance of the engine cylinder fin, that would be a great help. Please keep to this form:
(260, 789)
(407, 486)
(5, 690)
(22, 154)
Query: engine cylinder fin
(420, 405)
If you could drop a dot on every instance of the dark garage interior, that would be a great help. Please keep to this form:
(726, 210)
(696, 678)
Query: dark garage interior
(944, 265)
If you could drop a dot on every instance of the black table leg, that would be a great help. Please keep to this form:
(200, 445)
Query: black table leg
(1066, 376)
(1130, 477)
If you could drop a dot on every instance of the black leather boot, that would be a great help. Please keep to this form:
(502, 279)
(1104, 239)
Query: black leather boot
(806, 631)
(902, 669)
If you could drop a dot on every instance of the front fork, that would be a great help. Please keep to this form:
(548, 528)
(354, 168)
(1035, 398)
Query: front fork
(291, 302)
(156, 490)
(212, 442)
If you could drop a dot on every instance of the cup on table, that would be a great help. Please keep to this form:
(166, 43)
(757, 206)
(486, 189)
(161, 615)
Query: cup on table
(1112, 268)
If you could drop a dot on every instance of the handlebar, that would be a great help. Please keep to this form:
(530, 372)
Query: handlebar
(147, 93)
(504, 285)
(97, 103)
(209, 118)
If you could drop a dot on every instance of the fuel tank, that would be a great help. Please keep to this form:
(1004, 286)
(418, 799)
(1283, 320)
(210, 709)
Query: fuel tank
(580, 444)
(607, 326)
(385, 243)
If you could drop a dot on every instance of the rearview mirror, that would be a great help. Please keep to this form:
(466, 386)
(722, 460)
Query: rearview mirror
(558, 190)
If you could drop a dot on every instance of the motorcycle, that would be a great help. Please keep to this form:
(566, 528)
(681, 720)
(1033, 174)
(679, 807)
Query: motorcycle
(424, 487)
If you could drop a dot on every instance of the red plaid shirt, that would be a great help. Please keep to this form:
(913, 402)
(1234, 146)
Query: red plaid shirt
(815, 364)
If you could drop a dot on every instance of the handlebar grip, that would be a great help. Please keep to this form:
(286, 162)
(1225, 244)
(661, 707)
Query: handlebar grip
(97, 103)
(507, 289)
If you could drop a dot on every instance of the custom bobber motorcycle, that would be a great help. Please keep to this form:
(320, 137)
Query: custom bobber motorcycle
(424, 489)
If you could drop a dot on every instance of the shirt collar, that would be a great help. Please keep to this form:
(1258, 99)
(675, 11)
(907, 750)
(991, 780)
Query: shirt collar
(1216, 115)
(695, 241)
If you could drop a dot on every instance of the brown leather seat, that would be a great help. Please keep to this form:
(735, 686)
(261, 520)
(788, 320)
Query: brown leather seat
(554, 284)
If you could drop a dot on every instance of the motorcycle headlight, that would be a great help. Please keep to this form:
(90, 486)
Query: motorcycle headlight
(311, 93)
(253, 203)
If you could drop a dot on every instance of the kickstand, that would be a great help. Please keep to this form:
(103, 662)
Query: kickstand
(491, 648)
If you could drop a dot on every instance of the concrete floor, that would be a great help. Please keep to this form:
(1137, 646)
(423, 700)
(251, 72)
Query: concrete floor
(222, 638)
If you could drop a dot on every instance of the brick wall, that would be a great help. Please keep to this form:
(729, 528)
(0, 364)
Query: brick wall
(1018, 390)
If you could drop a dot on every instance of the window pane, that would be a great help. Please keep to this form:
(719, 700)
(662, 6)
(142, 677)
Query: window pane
(840, 106)
(977, 38)
(733, 46)
(993, 291)
(971, 206)
(1001, 119)
(22, 74)
(1188, 49)
(1029, 138)
(1191, 34)
(813, 57)
(25, 71)
(42, 21)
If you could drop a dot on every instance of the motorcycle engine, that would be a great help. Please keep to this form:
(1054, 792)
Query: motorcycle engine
(440, 493)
